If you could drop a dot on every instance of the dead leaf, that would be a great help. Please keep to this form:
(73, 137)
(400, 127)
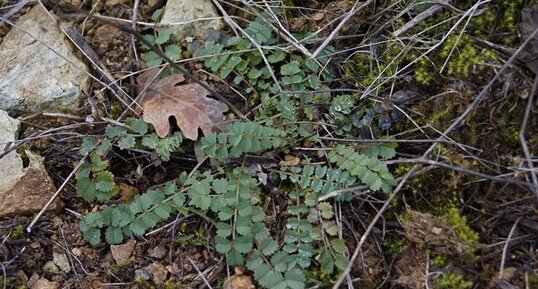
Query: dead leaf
(188, 103)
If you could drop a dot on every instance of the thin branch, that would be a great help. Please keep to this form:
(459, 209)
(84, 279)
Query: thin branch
(505, 248)
(350, 13)
(66, 181)
(522, 139)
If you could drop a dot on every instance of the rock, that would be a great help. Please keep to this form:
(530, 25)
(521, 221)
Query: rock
(239, 282)
(158, 252)
(60, 259)
(50, 267)
(45, 284)
(142, 274)
(159, 273)
(181, 11)
(77, 252)
(23, 191)
(122, 252)
(33, 78)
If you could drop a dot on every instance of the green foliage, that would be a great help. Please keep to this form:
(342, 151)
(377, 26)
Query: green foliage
(132, 219)
(452, 281)
(369, 170)
(242, 137)
(241, 63)
(229, 197)
(94, 180)
(464, 57)
(162, 38)
(454, 219)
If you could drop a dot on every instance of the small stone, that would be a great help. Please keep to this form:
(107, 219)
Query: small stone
(32, 280)
(50, 267)
(122, 252)
(173, 269)
(77, 252)
(179, 12)
(239, 282)
(45, 284)
(158, 252)
(159, 273)
(240, 270)
(142, 274)
(60, 259)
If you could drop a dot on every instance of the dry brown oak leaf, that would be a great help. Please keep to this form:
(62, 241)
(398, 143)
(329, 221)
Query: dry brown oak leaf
(188, 103)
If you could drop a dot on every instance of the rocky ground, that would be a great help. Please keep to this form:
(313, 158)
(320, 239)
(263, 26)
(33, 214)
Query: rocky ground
(467, 218)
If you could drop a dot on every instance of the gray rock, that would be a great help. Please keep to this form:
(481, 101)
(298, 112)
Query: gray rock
(60, 259)
(50, 267)
(33, 77)
(122, 252)
(23, 191)
(142, 274)
(185, 12)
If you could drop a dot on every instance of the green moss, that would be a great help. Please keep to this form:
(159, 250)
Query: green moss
(459, 224)
(18, 232)
(439, 261)
(452, 281)
(533, 280)
(395, 245)
(169, 285)
(464, 57)
(424, 72)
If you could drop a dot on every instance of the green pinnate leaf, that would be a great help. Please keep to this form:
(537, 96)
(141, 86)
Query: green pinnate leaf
(138, 227)
(295, 279)
(138, 125)
(114, 235)
(92, 236)
(243, 225)
(104, 181)
(243, 244)
(115, 131)
(150, 141)
(126, 142)
(268, 246)
(151, 59)
(276, 56)
(163, 35)
(199, 194)
(163, 210)
(222, 245)
(103, 147)
(87, 144)
(224, 230)
(173, 52)
(234, 258)
(326, 210)
(166, 146)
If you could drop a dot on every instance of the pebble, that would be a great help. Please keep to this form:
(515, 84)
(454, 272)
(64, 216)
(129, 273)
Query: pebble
(60, 259)
(122, 252)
